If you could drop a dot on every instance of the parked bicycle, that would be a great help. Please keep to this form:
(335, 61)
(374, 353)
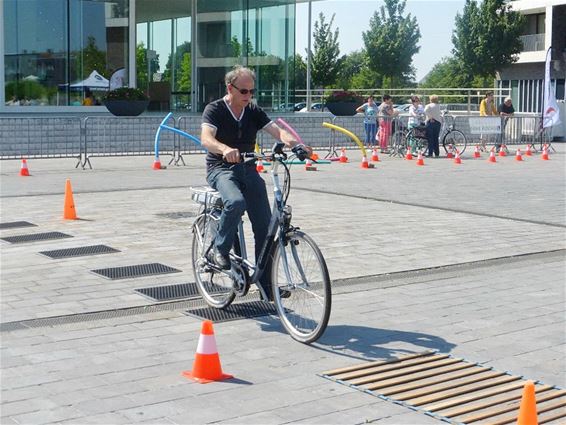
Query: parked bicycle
(452, 139)
(297, 264)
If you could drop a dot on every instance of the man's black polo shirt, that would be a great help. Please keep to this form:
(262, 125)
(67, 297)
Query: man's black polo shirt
(236, 132)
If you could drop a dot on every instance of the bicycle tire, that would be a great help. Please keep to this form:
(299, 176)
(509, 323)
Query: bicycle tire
(216, 288)
(455, 138)
(306, 312)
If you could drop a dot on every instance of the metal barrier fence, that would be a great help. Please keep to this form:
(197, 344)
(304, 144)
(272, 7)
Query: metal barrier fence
(104, 136)
(40, 137)
(123, 136)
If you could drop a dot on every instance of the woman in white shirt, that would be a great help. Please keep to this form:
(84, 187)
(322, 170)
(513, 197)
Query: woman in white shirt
(433, 125)
(416, 116)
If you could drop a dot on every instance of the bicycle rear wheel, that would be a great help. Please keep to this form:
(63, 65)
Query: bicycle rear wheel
(216, 287)
(299, 268)
(456, 139)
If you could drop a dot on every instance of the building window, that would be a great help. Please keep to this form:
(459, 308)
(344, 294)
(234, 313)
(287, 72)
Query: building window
(56, 50)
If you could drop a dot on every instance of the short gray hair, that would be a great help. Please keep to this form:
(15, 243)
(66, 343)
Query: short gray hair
(237, 72)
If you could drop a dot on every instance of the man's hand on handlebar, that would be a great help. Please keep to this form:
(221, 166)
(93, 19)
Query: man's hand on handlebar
(302, 151)
(231, 155)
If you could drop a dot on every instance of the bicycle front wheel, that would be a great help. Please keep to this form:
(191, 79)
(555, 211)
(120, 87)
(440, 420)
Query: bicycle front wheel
(456, 139)
(216, 287)
(299, 267)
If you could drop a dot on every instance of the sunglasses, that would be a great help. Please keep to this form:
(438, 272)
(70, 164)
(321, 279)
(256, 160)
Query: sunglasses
(244, 91)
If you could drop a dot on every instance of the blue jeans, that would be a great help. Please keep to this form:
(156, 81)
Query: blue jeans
(371, 130)
(242, 189)
(432, 133)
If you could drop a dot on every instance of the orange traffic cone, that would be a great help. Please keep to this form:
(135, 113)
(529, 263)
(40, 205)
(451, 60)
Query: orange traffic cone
(69, 212)
(374, 156)
(206, 367)
(156, 164)
(343, 157)
(409, 155)
(309, 166)
(24, 171)
(518, 155)
(457, 159)
(259, 167)
(544, 153)
(420, 160)
(314, 156)
(502, 150)
(492, 156)
(365, 163)
(449, 153)
(528, 409)
(528, 152)
(477, 153)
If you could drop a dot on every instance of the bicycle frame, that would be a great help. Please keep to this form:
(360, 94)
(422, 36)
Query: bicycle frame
(276, 226)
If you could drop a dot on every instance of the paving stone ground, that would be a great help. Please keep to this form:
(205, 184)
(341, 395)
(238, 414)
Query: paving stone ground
(504, 306)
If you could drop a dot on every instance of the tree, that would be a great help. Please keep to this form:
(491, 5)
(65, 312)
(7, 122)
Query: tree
(299, 67)
(486, 37)
(325, 62)
(351, 65)
(142, 76)
(184, 80)
(446, 73)
(391, 42)
(88, 59)
(180, 52)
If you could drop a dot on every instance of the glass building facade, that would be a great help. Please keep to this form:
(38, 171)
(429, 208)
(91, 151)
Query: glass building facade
(54, 51)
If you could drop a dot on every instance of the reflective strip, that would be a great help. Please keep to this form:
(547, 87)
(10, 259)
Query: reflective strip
(207, 344)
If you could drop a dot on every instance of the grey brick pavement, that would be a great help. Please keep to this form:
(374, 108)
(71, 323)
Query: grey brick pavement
(507, 313)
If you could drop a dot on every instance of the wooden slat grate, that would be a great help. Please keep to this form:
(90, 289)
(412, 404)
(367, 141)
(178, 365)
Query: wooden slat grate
(451, 389)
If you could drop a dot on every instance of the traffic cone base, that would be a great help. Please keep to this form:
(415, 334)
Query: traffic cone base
(518, 155)
(420, 160)
(206, 367)
(374, 156)
(365, 163)
(343, 157)
(24, 171)
(528, 151)
(502, 151)
(492, 157)
(477, 153)
(449, 155)
(528, 407)
(409, 155)
(156, 164)
(259, 167)
(545, 154)
(69, 212)
(457, 159)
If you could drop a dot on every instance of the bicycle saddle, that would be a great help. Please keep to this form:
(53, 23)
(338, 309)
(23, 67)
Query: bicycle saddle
(206, 195)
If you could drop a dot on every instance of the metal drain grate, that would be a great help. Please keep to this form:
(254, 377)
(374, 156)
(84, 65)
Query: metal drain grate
(451, 389)
(234, 311)
(36, 237)
(81, 251)
(139, 270)
(170, 292)
(15, 224)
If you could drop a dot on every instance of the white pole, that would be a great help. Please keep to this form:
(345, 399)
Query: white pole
(309, 55)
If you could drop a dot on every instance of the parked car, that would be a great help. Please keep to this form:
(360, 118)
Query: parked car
(403, 109)
(299, 106)
(286, 107)
(315, 107)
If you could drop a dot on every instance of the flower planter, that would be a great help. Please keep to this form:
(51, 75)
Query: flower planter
(126, 108)
(343, 108)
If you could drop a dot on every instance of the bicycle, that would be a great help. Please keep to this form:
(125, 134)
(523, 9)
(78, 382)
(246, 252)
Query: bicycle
(452, 139)
(297, 264)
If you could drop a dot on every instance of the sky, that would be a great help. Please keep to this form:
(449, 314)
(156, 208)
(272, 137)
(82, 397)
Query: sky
(435, 19)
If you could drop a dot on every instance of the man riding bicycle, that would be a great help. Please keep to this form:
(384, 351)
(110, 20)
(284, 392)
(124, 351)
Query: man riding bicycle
(229, 127)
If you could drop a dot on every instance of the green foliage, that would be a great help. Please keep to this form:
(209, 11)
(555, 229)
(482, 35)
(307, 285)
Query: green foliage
(89, 59)
(350, 66)
(179, 56)
(446, 73)
(391, 42)
(184, 80)
(24, 89)
(142, 77)
(343, 97)
(486, 38)
(325, 58)
(299, 67)
(125, 93)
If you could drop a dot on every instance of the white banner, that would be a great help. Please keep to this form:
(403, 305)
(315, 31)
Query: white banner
(485, 125)
(550, 111)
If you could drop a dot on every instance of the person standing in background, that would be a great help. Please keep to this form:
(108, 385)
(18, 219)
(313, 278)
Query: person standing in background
(416, 116)
(433, 125)
(386, 115)
(505, 110)
(487, 109)
(370, 119)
